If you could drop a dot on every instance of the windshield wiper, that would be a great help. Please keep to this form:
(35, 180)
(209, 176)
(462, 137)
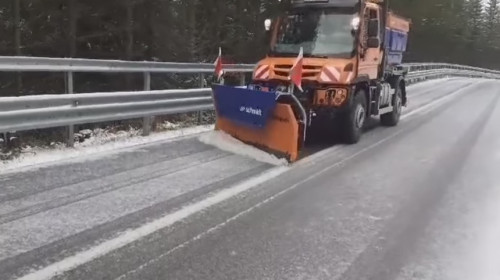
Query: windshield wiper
(316, 56)
(289, 54)
(273, 53)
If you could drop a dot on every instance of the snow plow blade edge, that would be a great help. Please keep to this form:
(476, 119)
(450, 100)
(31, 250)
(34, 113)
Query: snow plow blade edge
(256, 118)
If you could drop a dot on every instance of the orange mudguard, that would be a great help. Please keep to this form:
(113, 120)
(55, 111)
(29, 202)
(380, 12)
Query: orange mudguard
(280, 135)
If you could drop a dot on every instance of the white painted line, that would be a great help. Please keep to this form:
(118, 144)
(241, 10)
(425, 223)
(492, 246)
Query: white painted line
(131, 236)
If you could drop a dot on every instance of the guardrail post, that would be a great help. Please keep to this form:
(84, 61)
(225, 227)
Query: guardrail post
(242, 79)
(147, 121)
(202, 85)
(70, 141)
(5, 141)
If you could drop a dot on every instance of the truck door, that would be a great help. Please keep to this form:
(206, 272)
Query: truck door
(371, 54)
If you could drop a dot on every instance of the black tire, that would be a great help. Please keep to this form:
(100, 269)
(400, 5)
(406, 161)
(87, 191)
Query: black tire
(392, 118)
(354, 120)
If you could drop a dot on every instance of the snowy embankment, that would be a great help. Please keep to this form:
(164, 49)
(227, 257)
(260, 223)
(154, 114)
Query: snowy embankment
(94, 143)
(99, 143)
(227, 143)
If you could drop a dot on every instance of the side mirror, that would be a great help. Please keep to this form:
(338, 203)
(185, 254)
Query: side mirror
(267, 24)
(373, 42)
(373, 28)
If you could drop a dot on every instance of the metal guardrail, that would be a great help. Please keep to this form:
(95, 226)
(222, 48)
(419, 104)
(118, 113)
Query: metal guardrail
(69, 66)
(433, 66)
(417, 76)
(45, 111)
(45, 64)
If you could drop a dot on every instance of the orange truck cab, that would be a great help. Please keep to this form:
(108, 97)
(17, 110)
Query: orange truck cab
(352, 69)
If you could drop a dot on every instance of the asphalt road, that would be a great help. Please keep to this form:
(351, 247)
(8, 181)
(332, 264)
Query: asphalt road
(419, 201)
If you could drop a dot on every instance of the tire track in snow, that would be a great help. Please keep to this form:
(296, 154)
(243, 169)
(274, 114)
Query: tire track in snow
(13, 210)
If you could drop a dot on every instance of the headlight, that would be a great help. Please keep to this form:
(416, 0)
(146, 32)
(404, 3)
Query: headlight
(339, 97)
(267, 24)
(355, 23)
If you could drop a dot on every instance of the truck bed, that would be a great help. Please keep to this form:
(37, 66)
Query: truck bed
(398, 23)
(396, 38)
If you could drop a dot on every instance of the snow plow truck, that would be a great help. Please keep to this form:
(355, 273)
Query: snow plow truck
(329, 61)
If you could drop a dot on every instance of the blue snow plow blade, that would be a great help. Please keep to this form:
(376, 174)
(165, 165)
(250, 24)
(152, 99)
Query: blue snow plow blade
(248, 107)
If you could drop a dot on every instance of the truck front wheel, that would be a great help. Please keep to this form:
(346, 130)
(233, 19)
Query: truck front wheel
(354, 119)
(392, 118)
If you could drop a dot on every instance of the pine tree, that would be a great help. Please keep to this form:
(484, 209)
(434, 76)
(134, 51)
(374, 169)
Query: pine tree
(492, 24)
(474, 13)
(456, 31)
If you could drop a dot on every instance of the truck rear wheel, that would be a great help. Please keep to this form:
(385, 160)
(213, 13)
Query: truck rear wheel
(392, 118)
(354, 120)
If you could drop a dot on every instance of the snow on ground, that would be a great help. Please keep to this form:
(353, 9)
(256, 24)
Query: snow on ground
(227, 143)
(97, 143)
(100, 143)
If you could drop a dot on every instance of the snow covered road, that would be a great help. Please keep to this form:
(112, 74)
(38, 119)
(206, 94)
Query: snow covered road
(418, 201)
(74, 204)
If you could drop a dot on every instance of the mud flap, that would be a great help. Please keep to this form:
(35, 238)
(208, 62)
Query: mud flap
(256, 118)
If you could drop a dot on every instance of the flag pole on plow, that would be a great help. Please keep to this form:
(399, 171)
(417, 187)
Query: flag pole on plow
(219, 69)
(296, 71)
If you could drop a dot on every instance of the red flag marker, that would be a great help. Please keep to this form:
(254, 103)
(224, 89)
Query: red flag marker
(296, 71)
(219, 70)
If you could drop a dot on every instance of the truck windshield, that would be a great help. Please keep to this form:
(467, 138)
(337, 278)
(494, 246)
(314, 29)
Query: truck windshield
(322, 33)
